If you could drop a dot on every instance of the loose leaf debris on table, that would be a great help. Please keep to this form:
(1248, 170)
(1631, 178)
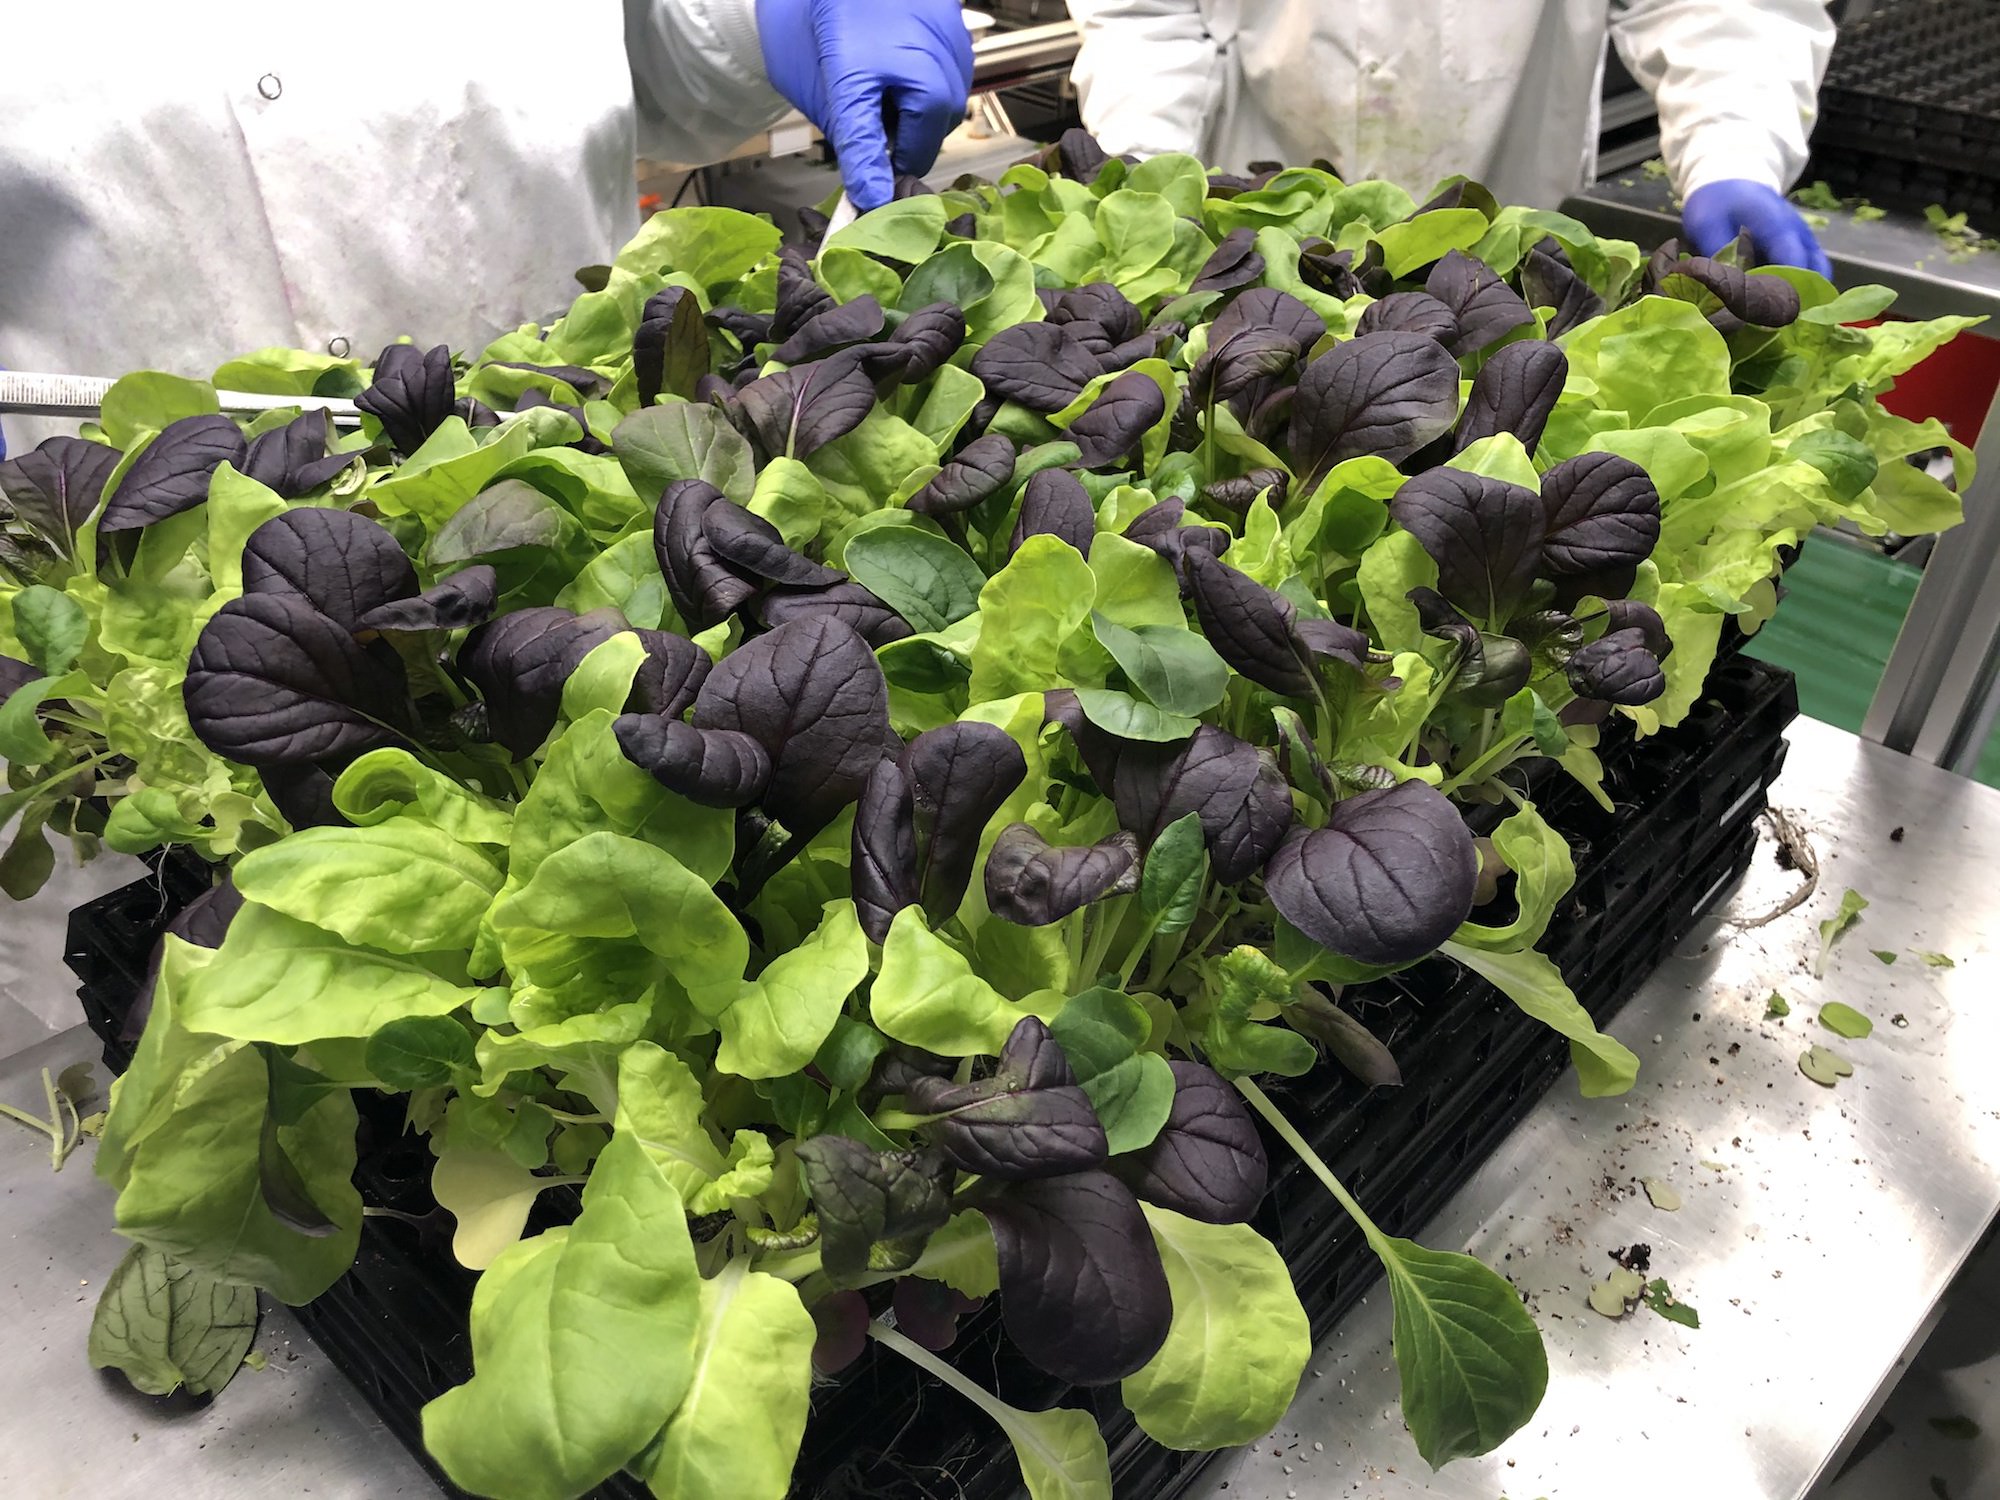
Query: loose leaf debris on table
(1660, 1298)
(1777, 1007)
(1844, 1020)
(1852, 904)
(1824, 1066)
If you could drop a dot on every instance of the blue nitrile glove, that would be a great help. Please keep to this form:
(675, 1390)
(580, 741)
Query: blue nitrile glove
(884, 80)
(1717, 211)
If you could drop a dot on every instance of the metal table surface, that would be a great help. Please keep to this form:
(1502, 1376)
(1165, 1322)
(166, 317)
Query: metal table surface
(1818, 1228)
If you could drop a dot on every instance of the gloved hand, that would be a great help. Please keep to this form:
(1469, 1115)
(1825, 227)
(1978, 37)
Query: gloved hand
(884, 80)
(1717, 211)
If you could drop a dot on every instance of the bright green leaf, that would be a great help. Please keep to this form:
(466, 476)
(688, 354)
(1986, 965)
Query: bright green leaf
(581, 1339)
(1238, 1344)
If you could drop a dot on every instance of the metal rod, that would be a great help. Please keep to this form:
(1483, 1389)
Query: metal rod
(27, 393)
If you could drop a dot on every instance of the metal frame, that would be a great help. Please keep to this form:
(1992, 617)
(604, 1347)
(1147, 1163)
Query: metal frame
(1940, 690)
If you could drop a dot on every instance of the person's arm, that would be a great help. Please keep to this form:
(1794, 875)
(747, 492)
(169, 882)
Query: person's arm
(698, 77)
(1737, 84)
(709, 74)
(1146, 74)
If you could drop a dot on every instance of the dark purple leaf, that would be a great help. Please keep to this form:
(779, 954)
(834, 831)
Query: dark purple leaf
(846, 601)
(1386, 880)
(464, 599)
(980, 469)
(670, 676)
(712, 767)
(1514, 391)
(1618, 667)
(1107, 310)
(411, 394)
(1548, 280)
(1112, 425)
(1029, 1118)
(274, 682)
(882, 850)
(1054, 503)
(1100, 750)
(1031, 882)
(292, 460)
(205, 920)
(302, 794)
(1249, 626)
(1082, 1290)
(1603, 519)
(810, 692)
(747, 328)
(1260, 334)
(1462, 192)
(1235, 262)
(1630, 614)
(15, 675)
(1484, 534)
(1240, 493)
(925, 340)
(473, 413)
(670, 345)
(1410, 312)
(1762, 301)
(835, 328)
(344, 565)
(749, 544)
(800, 300)
(1159, 527)
(1080, 156)
(705, 590)
(867, 1198)
(1387, 394)
(1041, 365)
(55, 488)
(796, 412)
(1234, 790)
(1207, 1161)
(959, 774)
(1329, 640)
(1351, 1044)
(520, 662)
(172, 474)
(1485, 308)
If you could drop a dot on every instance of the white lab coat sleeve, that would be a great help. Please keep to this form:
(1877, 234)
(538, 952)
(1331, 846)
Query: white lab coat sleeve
(1147, 74)
(698, 77)
(1736, 81)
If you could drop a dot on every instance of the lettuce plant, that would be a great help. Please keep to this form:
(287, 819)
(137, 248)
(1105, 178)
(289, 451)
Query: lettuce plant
(869, 759)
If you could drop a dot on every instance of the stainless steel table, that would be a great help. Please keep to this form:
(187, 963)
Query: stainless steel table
(1818, 1228)
(1817, 1232)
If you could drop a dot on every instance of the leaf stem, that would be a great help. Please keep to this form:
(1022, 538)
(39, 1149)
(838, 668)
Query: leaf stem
(928, 1362)
(1261, 1102)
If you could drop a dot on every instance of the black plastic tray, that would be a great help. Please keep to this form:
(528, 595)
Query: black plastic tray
(1687, 801)
(1909, 113)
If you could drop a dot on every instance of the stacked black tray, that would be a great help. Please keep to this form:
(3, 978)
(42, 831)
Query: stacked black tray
(1909, 114)
(1686, 802)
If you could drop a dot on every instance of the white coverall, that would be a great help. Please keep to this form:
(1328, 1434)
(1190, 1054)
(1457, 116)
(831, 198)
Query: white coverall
(182, 184)
(204, 180)
(1504, 91)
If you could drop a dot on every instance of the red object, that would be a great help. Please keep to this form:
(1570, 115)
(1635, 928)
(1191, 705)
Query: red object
(1955, 385)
